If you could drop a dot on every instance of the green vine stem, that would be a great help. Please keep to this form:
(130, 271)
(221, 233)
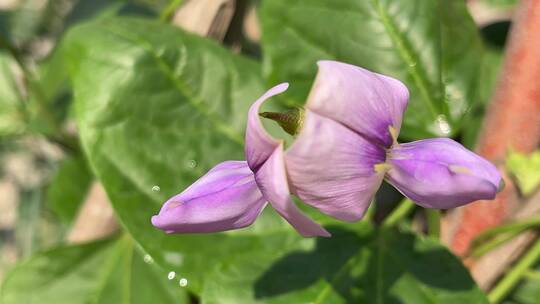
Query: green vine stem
(434, 222)
(371, 211)
(497, 241)
(493, 238)
(510, 280)
(405, 207)
(510, 227)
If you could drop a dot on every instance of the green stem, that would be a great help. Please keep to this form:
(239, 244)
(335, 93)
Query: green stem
(402, 210)
(494, 237)
(510, 227)
(479, 250)
(168, 11)
(370, 212)
(509, 281)
(434, 222)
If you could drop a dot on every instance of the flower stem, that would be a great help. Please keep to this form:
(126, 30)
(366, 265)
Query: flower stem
(434, 222)
(506, 285)
(370, 212)
(494, 237)
(404, 208)
(510, 227)
(479, 250)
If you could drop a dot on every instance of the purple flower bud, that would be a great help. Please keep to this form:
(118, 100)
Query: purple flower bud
(225, 198)
(441, 173)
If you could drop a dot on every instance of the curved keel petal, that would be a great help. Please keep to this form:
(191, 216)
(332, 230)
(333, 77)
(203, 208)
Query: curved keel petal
(225, 198)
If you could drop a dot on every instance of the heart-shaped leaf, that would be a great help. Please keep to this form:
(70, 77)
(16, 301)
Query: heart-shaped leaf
(159, 107)
(432, 46)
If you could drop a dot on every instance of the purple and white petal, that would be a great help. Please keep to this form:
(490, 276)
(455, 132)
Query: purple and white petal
(264, 155)
(332, 168)
(441, 173)
(225, 198)
(366, 102)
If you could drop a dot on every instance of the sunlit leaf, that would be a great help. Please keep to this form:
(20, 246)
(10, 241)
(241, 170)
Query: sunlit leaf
(432, 46)
(159, 107)
(111, 271)
(526, 170)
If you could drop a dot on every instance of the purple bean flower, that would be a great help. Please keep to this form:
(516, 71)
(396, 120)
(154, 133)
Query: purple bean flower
(345, 147)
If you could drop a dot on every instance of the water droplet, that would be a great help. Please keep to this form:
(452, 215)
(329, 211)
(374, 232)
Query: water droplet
(171, 275)
(156, 188)
(191, 163)
(173, 258)
(148, 259)
(183, 282)
(443, 125)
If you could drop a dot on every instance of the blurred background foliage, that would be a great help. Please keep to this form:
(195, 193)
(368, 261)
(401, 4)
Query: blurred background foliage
(116, 93)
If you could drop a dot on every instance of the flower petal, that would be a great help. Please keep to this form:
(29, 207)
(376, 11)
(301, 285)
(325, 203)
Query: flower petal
(332, 168)
(363, 101)
(225, 198)
(441, 173)
(272, 181)
(259, 144)
(264, 155)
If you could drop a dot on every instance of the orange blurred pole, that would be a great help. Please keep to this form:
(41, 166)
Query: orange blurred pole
(512, 121)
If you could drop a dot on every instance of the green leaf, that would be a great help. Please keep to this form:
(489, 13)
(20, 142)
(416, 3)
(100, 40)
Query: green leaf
(501, 4)
(432, 46)
(110, 271)
(158, 106)
(362, 266)
(526, 170)
(95, 9)
(12, 117)
(528, 291)
(472, 123)
(69, 187)
(52, 72)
